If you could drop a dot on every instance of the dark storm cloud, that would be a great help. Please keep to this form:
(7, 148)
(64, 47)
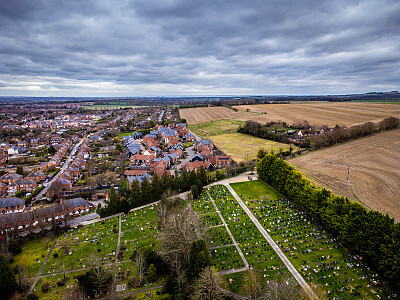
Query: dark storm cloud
(198, 47)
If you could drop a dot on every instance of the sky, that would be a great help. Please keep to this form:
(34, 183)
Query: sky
(198, 47)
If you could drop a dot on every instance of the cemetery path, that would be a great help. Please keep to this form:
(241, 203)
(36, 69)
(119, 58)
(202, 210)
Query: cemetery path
(278, 251)
(229, 232)
(218, 247)
(137, 291)
(231, 271)
(116, 258)
(42, 268)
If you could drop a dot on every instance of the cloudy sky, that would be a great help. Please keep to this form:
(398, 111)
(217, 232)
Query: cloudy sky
(198, 47)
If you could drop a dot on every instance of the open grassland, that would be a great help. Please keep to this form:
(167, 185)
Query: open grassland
(242, 146)
(318, 256)
(374, 170)
(217, 127)
(342, 113)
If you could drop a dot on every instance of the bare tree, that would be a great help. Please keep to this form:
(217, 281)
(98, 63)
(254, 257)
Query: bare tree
(208, 286)
(178, 231)
(140, 262)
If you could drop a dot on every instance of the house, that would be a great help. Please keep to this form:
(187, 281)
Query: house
(132, 173)
(140, 179)
(207, 154)
(139, 159)
(37, 176)
(209, 143)
(10, 177)
(28, 185)
(195, 166)
(190, 137)
(11, 205)
(198, 157)
(12, 189)
(221, 161)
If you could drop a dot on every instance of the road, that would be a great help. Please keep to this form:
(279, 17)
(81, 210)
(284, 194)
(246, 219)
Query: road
(191, 154)
(63, 168)
(278, 251)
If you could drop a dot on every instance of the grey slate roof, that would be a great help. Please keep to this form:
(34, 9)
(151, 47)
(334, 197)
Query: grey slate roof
(6, 202)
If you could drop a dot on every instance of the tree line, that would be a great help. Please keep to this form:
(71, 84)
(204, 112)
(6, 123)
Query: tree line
(341, 134)
(151, 191)
(274, 131)
(369, 233)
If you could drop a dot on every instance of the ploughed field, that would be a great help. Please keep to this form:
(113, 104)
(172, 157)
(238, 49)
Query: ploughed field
(374, 176)
(342, 113)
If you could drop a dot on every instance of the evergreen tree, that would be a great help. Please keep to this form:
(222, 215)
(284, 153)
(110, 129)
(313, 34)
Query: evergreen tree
(194, 191)
(136, 194)
(202, 175)
(199, 258)
(146, 195)
(152, 273)
(19, 170)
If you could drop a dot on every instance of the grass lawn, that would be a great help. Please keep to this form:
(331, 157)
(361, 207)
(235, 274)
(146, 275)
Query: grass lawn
(33, 255)
(212, 128)
(255, 189)
(242, 146)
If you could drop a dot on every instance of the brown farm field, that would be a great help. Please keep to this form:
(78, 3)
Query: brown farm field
(374, 170)
(342, 113)
(331, 113)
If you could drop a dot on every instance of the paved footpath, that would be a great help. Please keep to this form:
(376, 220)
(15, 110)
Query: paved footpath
(42, 268)
(116, 258)
(278, 251)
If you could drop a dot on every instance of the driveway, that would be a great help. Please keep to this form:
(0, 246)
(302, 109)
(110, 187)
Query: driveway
(191, 154)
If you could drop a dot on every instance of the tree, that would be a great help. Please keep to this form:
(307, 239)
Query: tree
(151, 124)
(140, 266)
(177, 232)
(52, 150)
(194, 191)
(152, 273)
(20, 194)
(208, 285)
(119, 148)
(8, 284)
(199, 258)
(19, 170)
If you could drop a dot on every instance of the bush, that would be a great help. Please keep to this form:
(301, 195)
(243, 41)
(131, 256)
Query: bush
(46, 287)
(55, 255)
(32, 297)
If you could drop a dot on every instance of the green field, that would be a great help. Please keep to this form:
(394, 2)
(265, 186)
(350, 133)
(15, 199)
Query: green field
(256, 188)
(213, 128)
(244, 147)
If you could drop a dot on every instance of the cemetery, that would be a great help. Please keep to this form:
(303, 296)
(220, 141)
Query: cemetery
(317, 255)
(258, 253)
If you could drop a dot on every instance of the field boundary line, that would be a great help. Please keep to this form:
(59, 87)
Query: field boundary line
(274, 246)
